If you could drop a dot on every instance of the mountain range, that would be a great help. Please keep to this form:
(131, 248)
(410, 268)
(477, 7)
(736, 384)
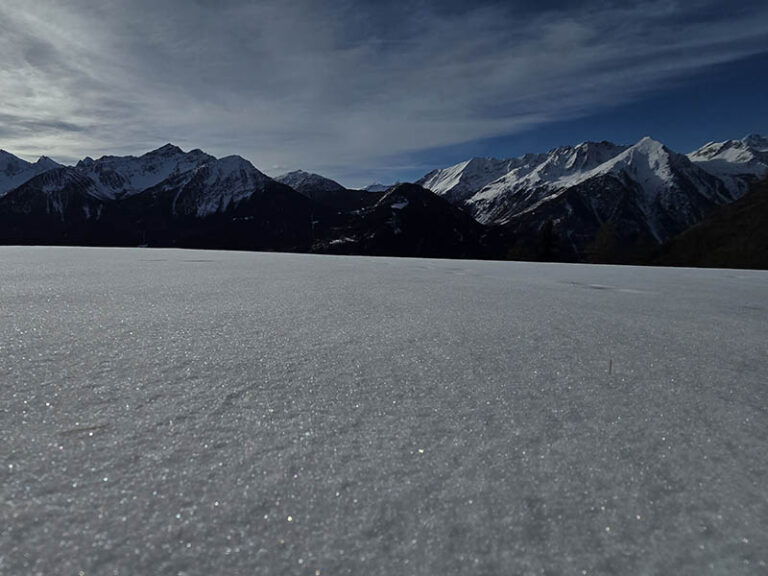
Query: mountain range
(596, 201)
(641, 195)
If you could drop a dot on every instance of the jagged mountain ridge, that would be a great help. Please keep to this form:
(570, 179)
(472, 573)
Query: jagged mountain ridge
(307, 182)
(212, 186)
(217, 181)
(458, 183)
(119, 176)
(200, 201)
(667, 189)
(647, 167)
(639, 195)
(14, 171)
(736, 162)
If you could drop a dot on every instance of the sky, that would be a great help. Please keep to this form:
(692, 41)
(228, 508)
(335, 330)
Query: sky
(364, 90)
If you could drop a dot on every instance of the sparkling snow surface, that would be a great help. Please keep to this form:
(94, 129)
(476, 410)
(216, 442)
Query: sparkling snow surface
(183, 412)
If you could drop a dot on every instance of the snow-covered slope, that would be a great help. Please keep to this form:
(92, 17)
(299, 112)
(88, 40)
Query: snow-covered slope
(736, 162)
(58, 206)
(307, 183)
(656, 178)
(535, 177)
(14, 171)
(213, 186)
(649, 170)
(639, 198)
(459, 182)
(118, 176)
(55, 181)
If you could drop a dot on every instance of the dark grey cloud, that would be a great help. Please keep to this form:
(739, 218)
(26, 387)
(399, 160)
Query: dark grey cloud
(323, 86)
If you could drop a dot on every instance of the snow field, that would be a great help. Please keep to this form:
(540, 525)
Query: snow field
(197, 412)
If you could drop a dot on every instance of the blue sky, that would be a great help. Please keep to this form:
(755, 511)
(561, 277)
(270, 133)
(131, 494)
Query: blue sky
(363, 91)
(717, 103)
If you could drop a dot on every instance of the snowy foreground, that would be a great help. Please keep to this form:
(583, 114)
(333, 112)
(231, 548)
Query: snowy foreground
(182, 412)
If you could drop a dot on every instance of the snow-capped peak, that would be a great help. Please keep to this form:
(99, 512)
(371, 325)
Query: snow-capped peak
(648, 143)
(734, 161)
(647, 152)
(118, 176)
(233, 169)
(166, 150)
(14, 171)
(756, 142)
(46, 163)
(648, 162)
(307, 182)
(735, 151)
(458, 182)
(10, 164)
(214, 185)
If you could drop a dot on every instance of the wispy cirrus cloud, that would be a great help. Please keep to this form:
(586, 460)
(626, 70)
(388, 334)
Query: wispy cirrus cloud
(305, 84)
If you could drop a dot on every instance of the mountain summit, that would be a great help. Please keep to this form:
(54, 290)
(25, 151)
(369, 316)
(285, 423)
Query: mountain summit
(118, 176)
(736, 162)
(307, 182)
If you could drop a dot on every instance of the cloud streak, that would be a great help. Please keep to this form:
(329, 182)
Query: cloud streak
(302, 84)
